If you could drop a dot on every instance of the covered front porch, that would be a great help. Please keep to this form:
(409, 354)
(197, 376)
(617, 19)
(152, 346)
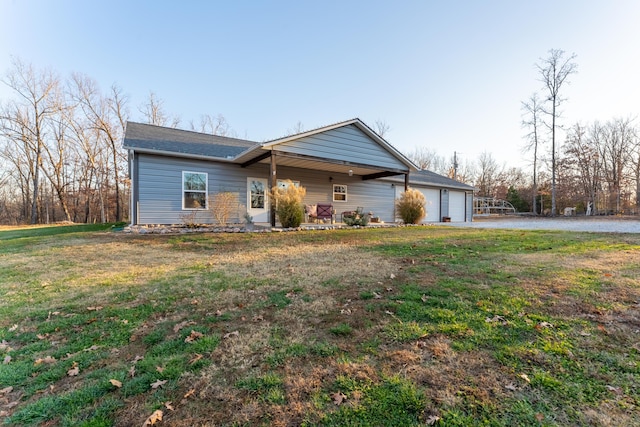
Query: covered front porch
(341, 156)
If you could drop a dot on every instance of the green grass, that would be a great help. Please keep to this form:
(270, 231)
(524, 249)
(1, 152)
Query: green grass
(348, 327)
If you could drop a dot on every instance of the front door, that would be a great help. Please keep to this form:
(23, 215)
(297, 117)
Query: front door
(258, 199)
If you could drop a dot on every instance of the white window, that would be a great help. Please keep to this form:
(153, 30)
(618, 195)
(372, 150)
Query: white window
(194, 190)
(339, 193)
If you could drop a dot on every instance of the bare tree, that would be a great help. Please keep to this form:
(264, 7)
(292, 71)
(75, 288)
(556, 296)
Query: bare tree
(382, 128)
(428, 159)
(616, 151)
(554, 71)
(532, 109)
(488, 175)
(582, 156)
(24, 122)
(298, 128)
(107, 115)
(214, 125)
(154, 113)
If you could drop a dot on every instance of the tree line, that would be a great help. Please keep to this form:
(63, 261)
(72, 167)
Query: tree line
(61, 155)
(596, 169)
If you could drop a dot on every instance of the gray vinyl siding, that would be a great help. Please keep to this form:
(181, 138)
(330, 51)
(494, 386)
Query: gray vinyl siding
(371, 196)
(347, 144)
(160, 188)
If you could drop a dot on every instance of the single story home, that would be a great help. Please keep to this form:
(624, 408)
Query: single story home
(346, 164)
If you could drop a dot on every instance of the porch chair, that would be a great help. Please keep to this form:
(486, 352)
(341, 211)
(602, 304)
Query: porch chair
(324, 211)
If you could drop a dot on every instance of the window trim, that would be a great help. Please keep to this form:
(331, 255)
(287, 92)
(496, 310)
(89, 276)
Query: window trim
(344, 186)
(205, 191)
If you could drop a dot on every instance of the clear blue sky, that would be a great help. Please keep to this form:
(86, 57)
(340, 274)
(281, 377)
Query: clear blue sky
(446, 75)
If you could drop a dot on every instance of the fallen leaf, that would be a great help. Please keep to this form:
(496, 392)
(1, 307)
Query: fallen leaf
(4, 413)
(132, 372)
(389, 289)
(115, 383)
(616, 390)
(4, 346)
(47, 360)
(195, 302)
(338, 398)
(544, 325)
(6, 390)
(184, 324)
(13, 328)
(95, 308)
(231, 334)
(193, 336)
(219, 313)
(258, 318)
(346, 311)
(496, 319)
(137, 359)
(388, 312)
(424, 298)
(392, 276)
(525, 377)
(159, 369)
(195, 359)
(6, 360)
(189, 393)
(432, 420)
(539, 417)
(92, 348)
(158, 383)
(12, 404)
(153, 418)
(511, 386)
(377, 295)
(74, 371)
(169, 406)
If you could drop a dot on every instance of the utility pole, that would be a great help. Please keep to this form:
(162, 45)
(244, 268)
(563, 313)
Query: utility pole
(455, 165)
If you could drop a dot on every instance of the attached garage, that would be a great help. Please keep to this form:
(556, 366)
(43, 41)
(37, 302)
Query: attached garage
(444, 196)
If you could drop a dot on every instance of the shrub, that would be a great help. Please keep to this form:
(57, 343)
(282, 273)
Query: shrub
(357, 217)
(289, 208)
(410, 206)
(223, 205)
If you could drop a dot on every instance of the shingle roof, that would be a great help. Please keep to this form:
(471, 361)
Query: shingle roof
(139, 136)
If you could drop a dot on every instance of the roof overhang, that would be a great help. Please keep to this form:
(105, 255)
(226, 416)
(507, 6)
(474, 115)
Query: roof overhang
(318, 163)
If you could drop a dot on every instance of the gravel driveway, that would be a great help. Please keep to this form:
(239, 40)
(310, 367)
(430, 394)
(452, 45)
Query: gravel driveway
(608, 224)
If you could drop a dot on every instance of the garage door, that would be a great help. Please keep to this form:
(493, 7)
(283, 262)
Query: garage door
(432, 205)
(457, 206)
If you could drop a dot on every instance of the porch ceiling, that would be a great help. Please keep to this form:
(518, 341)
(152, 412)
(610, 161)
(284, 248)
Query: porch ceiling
(328, 165)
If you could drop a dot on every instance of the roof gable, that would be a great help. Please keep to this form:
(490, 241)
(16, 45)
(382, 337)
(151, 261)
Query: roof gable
(351, 140)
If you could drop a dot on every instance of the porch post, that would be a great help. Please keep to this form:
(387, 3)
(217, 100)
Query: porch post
(406, 181)
(272, 183)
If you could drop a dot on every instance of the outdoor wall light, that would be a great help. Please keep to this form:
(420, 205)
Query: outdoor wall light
(330, 179)
(350, 172)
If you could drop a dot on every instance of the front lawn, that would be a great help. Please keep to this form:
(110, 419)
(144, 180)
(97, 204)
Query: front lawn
(371, 327)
